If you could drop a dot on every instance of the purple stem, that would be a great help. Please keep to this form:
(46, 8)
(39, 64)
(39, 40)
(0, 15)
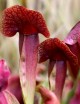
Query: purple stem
(28, 63)
(61, 68)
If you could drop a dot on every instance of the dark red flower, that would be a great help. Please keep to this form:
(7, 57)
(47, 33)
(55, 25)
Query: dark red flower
(58, 52)
(20, 19)
(28, 23)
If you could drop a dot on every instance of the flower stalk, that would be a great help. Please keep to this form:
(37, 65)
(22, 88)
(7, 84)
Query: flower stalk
(28, 63)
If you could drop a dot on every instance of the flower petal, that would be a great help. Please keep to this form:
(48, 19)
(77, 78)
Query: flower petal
(3, 98)
(47, 50)
(10, 98)
(19, 19)
(74, 35)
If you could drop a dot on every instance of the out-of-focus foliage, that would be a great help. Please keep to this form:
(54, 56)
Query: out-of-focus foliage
(3, 4)
(60, 15)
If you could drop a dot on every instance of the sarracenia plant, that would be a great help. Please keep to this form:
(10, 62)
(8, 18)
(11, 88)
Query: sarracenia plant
(28, 23)
(58, 53)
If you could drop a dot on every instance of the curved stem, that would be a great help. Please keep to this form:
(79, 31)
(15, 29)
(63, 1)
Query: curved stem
(28, 63)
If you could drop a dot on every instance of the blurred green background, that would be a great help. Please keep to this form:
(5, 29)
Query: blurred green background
(60, 16)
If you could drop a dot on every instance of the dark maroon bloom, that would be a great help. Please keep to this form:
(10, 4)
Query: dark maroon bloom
(28, 23)
(48, 96)
(22, 20)
(58, 52)
(73, 40)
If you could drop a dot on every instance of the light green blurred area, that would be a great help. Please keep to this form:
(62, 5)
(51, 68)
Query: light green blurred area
(60, 16)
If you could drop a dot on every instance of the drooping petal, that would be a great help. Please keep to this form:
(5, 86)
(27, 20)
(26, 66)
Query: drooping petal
(20, 19)
(73, 40)
(55, 49)
(45, 50)
(61, 69)
(75, 49)
(74, 35)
